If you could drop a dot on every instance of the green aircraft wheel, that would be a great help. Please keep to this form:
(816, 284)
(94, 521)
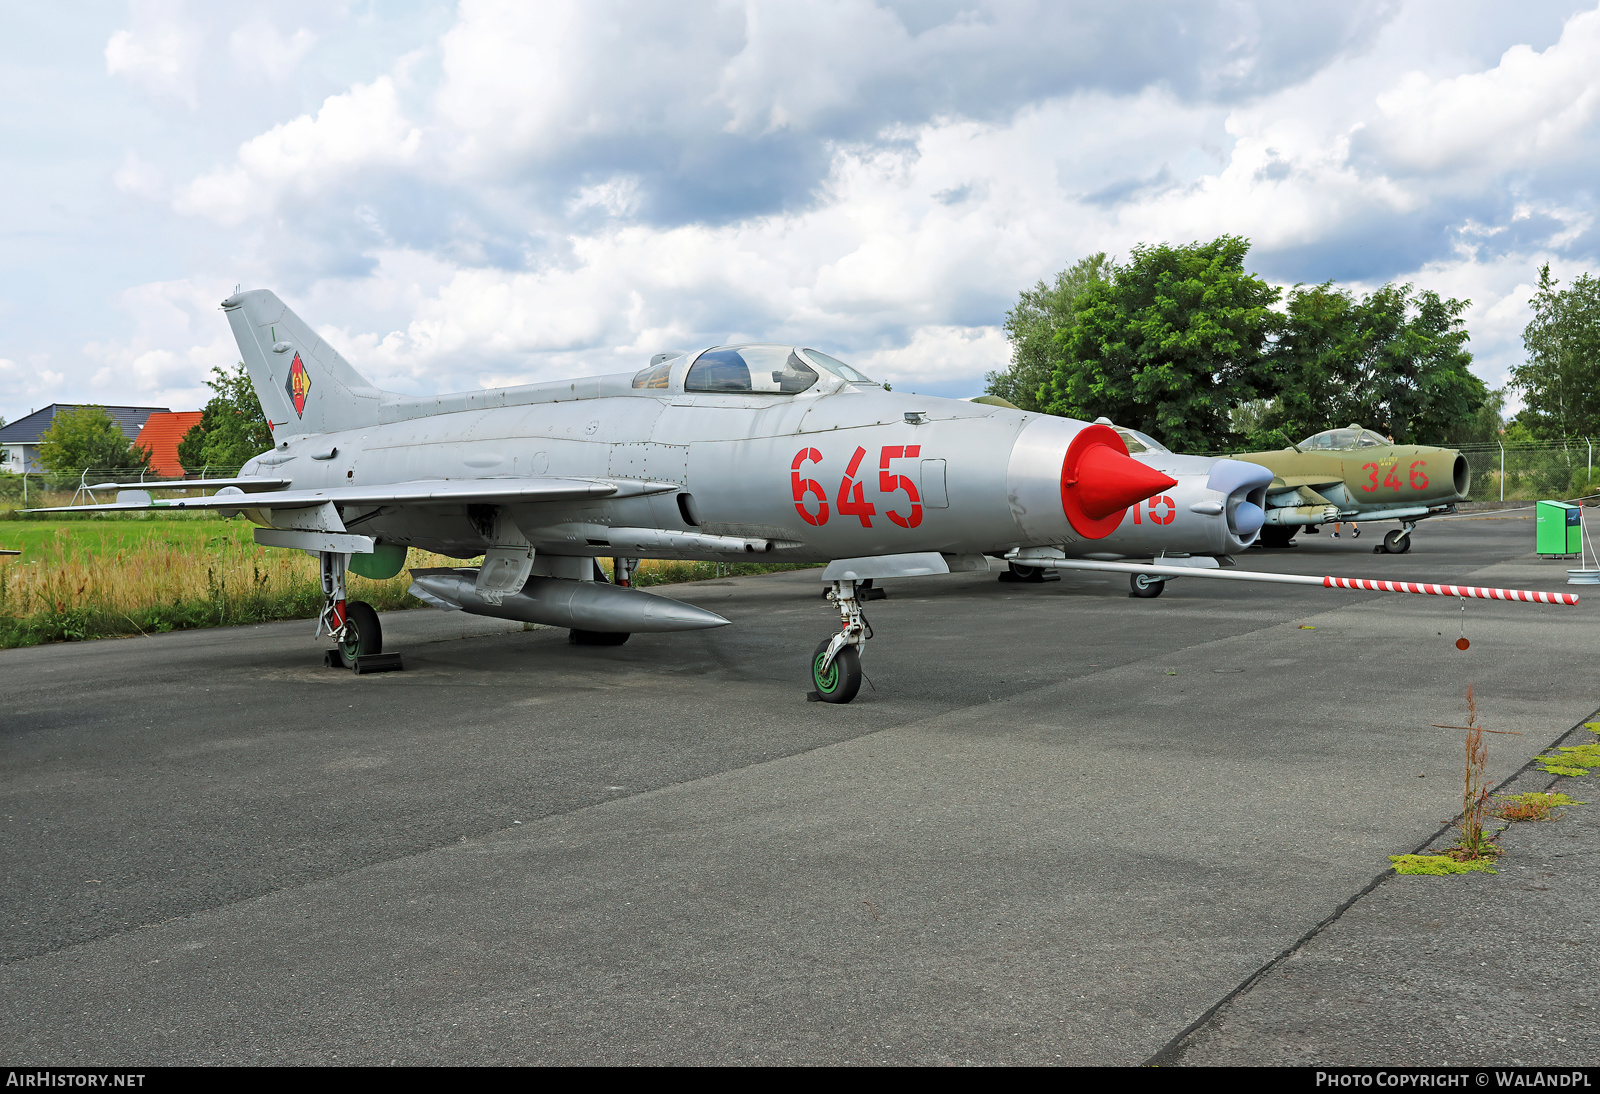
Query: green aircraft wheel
(1396, 542)
(843, 678)
(363, 634)
(1145, 587)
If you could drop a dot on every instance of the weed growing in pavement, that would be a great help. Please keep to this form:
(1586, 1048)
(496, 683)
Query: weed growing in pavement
(1474, 849)
(1473, 843)
(1535, 806)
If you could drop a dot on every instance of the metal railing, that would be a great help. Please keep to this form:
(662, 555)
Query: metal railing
(84, 481)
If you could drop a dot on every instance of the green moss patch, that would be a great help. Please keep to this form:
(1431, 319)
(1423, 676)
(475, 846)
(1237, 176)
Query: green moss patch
(1439, 865)
(1572, 761)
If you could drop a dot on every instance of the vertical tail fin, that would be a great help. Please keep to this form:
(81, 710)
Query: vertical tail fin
(302, 382)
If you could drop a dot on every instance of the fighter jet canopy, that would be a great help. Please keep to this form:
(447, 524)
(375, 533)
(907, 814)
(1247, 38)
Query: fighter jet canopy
(753, 369)
(1139, 442)
(1340, 440)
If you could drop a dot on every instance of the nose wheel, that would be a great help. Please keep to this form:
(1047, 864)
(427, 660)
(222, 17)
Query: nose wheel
(1145, 587)
(836, 662)
(835, 681)
(1398, 542)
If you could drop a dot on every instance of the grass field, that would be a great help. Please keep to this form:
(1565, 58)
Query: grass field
(101, 577)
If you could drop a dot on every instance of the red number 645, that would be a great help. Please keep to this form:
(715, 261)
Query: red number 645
(802, 487)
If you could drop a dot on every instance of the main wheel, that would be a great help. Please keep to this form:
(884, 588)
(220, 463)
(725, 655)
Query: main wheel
(1397, 542)
(597, 638)
(1146, 587)
(363, 634)
(1278, 535)
(843, 678)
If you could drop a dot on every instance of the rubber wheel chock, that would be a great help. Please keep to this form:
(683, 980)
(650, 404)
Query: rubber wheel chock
(378, 662)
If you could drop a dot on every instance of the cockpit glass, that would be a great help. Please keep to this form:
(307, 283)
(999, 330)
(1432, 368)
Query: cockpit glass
(1340, 440)
(1140, 442)
(757, 370)
(835, 366)
(655, 377)
(1330, 440)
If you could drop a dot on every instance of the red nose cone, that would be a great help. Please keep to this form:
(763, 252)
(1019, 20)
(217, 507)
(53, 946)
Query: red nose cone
(1099, 480)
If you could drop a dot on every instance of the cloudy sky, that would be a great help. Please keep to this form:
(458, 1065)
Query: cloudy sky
(483, 193)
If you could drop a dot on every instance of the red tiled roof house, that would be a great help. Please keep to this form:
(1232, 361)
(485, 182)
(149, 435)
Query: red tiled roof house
(161, 434)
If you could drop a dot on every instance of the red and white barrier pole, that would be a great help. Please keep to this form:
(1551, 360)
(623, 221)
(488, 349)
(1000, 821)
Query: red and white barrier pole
(1475, 591)
(1366, 584)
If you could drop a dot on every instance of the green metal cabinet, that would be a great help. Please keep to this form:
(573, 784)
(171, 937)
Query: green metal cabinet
(1560, 531)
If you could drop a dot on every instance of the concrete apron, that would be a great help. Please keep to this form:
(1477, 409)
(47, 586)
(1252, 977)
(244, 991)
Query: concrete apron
(1069, 875)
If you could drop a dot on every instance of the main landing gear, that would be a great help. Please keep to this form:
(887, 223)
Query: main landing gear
(352, 624)
(836, 663)
(1397, 542)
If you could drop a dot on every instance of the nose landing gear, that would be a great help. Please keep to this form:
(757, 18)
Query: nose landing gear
(836, 662)
(1145, 587)
(1397, 542)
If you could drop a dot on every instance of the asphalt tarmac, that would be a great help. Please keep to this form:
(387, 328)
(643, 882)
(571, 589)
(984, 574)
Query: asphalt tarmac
(1061, 826)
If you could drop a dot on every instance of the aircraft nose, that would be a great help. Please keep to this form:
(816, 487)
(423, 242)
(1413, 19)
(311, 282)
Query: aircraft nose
(1099, 480)
(1109, 481)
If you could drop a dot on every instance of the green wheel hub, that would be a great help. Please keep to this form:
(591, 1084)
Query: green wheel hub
(827, 682)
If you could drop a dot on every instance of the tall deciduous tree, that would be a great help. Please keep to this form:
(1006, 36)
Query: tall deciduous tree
(1031, 327)
(1560, 381)
(87, 437)
(1394, 360)
(1169, 344)
(231, 429)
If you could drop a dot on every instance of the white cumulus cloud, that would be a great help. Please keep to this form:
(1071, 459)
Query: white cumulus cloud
(362, 128)
(159, 51)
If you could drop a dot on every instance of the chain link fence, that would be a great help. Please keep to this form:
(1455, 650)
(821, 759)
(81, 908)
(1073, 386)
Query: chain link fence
(89, 485)
(1529, 471)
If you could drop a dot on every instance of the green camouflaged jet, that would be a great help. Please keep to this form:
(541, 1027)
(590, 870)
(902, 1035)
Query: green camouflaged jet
(1354, 474)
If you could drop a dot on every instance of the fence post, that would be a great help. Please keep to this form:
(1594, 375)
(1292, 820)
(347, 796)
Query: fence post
(1502, 470)
(24, 483)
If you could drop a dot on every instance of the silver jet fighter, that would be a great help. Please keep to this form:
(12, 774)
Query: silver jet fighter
(749, 452)
(753, 453)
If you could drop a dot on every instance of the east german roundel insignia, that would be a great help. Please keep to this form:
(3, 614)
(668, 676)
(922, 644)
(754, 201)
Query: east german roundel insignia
(298, 386)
